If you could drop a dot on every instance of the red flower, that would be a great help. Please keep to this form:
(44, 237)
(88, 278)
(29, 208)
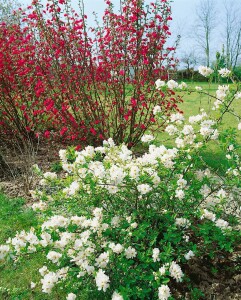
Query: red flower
(47, 134)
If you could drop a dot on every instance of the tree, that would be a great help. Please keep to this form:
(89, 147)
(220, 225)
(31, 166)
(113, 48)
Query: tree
(9, 11)
(232, 33)
(190, 60)
(205, 25)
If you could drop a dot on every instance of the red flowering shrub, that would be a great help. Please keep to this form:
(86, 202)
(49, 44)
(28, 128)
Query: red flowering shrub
(59, 80)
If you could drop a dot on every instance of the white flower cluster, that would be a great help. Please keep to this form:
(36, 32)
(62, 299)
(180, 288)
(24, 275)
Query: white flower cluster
(221, 94)
(222, 224)
(207, 131)
(147, 138)
(205, 71)
(117, 167)
(164, 292)
(81, 248)
(187, 135)
(39, 206)
(183, 222)
(170, 84)
(224, 72)
(176, 271)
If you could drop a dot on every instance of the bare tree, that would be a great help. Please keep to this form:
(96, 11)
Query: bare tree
(205, 25)
(232, 32)
(189, 59)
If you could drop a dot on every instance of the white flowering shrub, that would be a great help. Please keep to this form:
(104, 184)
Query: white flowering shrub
(130, 225)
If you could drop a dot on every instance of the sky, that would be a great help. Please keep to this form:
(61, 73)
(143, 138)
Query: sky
(183, 14)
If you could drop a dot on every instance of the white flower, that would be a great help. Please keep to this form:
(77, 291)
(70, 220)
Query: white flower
(222, 224)
(208, 215)
(134, 225)
(180, 143)
(187, 129)
(112, 189)
(159, 84)
(162, 270)
(144, 188)
(102, 260)
(80, 159)
(179, 194)
(39, 206)
(134, 172)
(48, 282)
(116, 248)
(205, 71)
(237, 95)
(189, 255)
(164, 292)
(109, 143)
(71, 296)
(155, 254)
(182, 222)
(4, 249)
(178, 118)
(172, 84)
(156, 109)
(102, 280)
(50, 175)
(239, 126)
(224, 72)
(171, 129)
(117, 296)
(89, 151)
(181, 182)
(54, 256)
(130, 252)
(32, 285)
(62, 155)
(98, 212)
(182, 85)
(74, 187)
(147, 138)
(198, 88)
(117, 174)
(176, 271)
(221, 193)
(43, 271)
(55, 222)
(115, 221)
(197, 118)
